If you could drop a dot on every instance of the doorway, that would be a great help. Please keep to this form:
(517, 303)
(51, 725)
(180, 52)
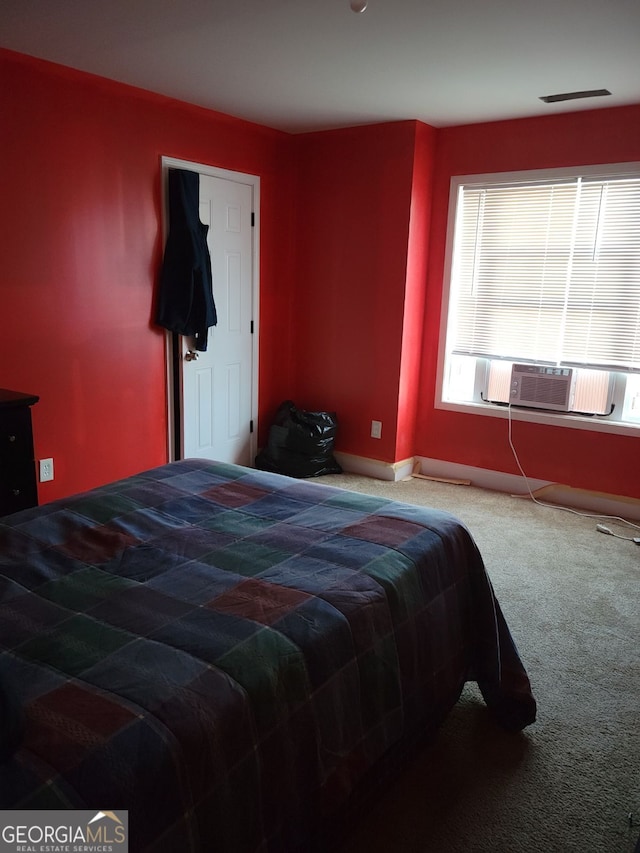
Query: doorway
(213, 395)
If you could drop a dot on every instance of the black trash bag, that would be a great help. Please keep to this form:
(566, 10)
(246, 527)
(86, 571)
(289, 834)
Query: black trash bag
(300, 443)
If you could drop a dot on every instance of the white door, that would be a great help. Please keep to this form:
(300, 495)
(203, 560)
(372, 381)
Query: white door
(217, 387)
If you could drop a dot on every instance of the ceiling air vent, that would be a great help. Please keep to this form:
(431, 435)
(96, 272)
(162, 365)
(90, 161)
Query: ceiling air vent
(573, 96)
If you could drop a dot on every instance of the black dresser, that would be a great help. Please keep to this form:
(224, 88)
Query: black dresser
(18, 485)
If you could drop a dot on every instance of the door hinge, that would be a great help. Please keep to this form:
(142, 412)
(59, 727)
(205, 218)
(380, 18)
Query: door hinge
(253, 219)
(252, 327)
(251, 426)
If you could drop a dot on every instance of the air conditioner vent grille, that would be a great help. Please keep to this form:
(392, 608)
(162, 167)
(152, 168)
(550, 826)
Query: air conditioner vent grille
(544, 389)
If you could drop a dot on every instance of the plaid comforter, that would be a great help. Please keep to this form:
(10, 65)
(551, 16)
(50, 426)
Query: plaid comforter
(226, 652)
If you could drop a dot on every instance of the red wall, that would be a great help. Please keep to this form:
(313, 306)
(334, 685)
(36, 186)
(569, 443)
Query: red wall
(80, 224)
(352, 229)
(415, 292)
(582, 459)
(352, 253)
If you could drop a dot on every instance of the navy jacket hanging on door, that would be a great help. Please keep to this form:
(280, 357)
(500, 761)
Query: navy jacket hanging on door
(185, 300)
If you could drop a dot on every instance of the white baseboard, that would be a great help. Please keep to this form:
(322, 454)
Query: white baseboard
(545, 491)
(498, 481)
(376, 468)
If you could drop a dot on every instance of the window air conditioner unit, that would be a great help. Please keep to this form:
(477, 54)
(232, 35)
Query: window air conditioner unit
(542, 387)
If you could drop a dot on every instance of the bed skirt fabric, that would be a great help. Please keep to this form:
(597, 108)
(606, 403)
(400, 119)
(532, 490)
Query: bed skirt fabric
(227, 652)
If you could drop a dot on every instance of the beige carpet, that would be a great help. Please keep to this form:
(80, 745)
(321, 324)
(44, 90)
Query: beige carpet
(571, 597)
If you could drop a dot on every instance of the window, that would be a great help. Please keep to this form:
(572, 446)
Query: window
(545, 270)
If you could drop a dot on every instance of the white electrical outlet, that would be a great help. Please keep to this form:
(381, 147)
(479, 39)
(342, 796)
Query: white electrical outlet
(376, 429)
(46, 470)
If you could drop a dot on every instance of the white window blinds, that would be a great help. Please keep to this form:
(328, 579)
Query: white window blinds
(548, 271)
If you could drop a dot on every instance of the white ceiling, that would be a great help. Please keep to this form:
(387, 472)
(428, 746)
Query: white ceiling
(301, 65)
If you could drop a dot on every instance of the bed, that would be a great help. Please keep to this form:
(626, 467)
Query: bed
(229, 653)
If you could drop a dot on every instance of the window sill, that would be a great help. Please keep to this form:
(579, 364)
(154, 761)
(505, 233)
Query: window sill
(596, 423)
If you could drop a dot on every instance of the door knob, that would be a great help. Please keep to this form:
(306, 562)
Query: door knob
(190, 355)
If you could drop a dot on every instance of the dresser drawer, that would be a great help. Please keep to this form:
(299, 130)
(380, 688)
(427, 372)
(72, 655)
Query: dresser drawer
(18, 490)
(16, 438)
(18, 484)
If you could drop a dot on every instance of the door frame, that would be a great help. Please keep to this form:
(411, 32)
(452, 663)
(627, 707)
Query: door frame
(173, 373)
